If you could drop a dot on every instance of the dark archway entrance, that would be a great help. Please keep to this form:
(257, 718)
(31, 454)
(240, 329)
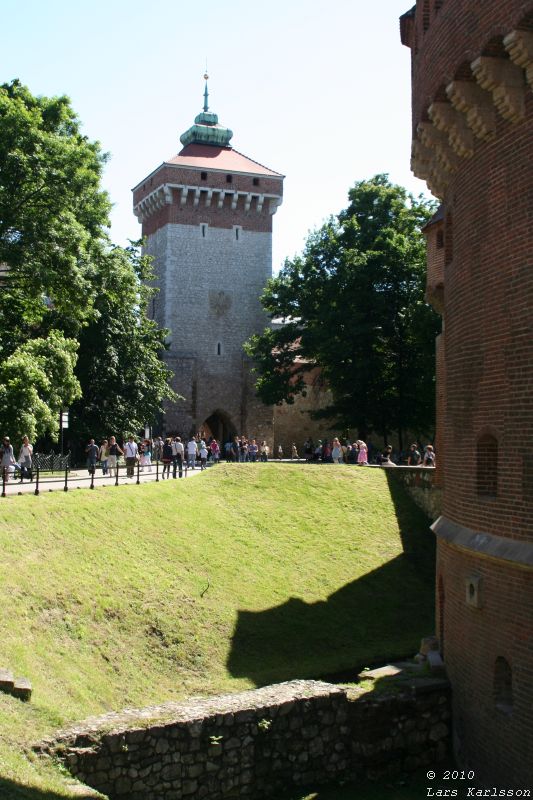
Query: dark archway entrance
(220, 426)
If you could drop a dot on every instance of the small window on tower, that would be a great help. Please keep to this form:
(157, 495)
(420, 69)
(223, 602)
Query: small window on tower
(229, 178)
(219, 349)
(255, 181)
(440, 240)
(204, 230)
(203, 176)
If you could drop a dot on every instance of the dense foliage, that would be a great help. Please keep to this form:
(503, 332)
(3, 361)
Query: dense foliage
(66, 293)
(353, 304)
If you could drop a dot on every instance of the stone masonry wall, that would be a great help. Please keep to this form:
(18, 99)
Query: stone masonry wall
(255, 744)
(421, 483)
(210, 281)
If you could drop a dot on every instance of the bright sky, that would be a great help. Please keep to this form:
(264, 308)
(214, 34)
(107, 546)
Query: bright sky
(319, 91)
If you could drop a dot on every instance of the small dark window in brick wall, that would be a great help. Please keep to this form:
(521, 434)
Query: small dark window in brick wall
(229, 178)
(503, 685)
(487, 466)
(255, 181)
(203, 176)
(440, 240)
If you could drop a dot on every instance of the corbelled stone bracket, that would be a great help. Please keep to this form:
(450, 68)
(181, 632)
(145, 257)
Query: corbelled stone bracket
(519, 45)
(476, 105)
(506, 82)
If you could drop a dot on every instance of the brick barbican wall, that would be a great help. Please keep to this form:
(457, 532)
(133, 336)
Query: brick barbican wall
(485, 359)
(258, 743)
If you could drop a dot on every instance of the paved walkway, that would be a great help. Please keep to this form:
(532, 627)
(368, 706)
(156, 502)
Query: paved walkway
(79, 479)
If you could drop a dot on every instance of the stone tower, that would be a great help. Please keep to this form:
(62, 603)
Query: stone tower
(472, 68)
(207, 214)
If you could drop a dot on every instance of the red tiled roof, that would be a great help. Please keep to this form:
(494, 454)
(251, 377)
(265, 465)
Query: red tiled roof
(226, 159)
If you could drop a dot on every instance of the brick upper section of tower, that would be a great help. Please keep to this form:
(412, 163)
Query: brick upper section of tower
(209, 184)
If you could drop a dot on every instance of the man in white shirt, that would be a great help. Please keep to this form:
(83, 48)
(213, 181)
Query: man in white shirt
(131, 452)
(192, 452)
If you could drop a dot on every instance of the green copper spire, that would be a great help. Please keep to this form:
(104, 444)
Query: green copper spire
(206, 93)
(206, 129)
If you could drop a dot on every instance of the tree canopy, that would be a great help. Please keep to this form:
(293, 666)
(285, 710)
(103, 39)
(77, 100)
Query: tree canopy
(353, 304)
(72, 306)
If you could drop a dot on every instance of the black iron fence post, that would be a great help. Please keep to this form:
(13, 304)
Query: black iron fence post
(116, 473)
(93, 470)
(157, 470)
(4, 470)
(138, 471)
(37, 472)
(65, 488)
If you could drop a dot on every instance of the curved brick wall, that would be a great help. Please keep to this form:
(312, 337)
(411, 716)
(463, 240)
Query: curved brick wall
(472, 142)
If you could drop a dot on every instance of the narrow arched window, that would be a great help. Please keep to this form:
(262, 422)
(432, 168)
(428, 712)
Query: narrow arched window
(487, 466)
(503, 685)
(219, 349)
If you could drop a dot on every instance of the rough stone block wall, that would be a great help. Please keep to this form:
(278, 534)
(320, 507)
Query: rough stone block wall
(256, 744)
(293, 423)
(210, 286)
(421, 484)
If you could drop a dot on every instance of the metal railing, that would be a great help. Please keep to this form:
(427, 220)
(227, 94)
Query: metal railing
(67, 478)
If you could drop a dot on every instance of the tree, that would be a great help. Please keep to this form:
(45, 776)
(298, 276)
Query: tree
(353, 305)
(53, 213)
(36, 382)
(68, 292)
(122, 376)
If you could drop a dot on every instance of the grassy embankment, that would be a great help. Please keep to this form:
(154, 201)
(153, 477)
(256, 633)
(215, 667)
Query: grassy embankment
(310, 571)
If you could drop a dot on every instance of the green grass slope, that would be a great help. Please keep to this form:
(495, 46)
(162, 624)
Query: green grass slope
(248, 575)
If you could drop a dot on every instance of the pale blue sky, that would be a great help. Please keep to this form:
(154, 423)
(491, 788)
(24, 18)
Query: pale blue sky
(319, 91)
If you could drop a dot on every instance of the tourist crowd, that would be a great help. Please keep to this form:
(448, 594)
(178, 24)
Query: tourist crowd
(176, 455)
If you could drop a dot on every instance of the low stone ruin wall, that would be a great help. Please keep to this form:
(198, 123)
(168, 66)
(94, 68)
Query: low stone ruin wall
(255, 744)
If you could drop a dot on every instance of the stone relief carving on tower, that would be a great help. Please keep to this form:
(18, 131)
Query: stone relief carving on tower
(220, 302)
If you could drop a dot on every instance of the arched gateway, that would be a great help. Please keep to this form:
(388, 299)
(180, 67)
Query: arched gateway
(220, 426)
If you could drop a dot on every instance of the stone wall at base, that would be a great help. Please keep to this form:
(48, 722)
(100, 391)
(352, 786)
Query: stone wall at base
(422, 485)
(255, 744)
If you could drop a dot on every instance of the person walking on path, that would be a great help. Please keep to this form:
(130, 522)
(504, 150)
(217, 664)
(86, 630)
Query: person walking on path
(414, 458)
(103, 456)
(429, 456)
(92, 450)
(114, 452)
(192, 452)
(166, 458)
(7, 461)
(336, 451)
(146, 455)
(215, 451)
(203, 456)
(26, 459)
(265, 450)
(362, 455)
(131, 452)
(178, 453)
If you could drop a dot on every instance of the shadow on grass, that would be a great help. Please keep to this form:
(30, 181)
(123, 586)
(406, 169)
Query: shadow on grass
(14, 791)
(380, 616)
